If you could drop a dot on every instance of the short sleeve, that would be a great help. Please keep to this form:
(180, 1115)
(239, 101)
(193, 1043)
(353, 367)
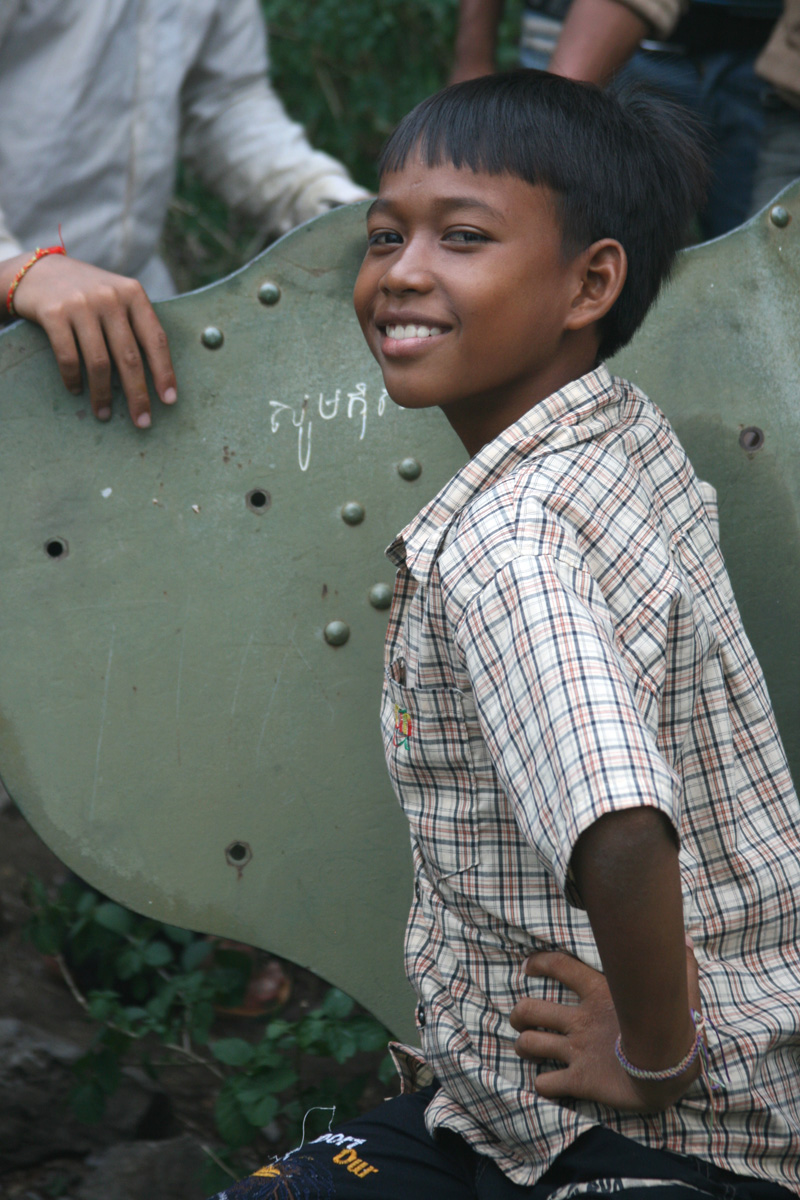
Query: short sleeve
(557, 707)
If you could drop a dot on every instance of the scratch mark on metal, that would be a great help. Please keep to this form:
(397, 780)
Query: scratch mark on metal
(311, 670)
(241, 672)
(178, 693)
(275, 686)
(102, 721)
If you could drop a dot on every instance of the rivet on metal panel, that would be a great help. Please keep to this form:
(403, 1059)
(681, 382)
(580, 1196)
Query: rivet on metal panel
(751, 438)
(353, 513)
(258, 500)
(269, 293)
(380, 595)
(212, 337)
(336, 633)
(409, 468)
(779, 216)
(56, 547)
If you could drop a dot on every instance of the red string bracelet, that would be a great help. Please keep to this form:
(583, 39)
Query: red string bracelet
(41, 252)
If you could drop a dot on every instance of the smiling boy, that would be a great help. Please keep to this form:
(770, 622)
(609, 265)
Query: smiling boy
(574, 721)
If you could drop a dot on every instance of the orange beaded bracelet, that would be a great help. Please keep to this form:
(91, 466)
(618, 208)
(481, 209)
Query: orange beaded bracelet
(41, 252)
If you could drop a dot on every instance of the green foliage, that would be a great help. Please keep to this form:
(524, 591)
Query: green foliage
(348, 70)
(149, 985)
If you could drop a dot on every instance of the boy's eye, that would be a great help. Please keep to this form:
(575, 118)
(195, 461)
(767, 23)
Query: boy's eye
(384, 237)
(466, 237)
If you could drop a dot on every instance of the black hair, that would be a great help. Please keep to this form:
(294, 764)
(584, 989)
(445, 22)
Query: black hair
(621, 163)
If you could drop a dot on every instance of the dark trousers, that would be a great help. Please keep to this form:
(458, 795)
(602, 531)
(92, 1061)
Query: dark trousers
(389, 1155)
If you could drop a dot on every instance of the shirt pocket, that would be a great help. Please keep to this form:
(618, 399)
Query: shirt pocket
(427, 740)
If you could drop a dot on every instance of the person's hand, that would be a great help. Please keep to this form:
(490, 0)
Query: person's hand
(104, 319)
(582, 1036)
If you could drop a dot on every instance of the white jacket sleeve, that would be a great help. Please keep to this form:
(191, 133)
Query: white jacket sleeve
(9, 246)
(237, 137)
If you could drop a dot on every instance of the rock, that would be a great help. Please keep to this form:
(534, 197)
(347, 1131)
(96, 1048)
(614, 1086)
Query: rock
(167, 1170)
(36, 1122)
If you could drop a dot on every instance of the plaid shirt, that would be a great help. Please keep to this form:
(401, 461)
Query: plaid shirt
(564, 643)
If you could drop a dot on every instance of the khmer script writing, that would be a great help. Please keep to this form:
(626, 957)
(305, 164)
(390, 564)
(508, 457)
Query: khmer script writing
(353, 405)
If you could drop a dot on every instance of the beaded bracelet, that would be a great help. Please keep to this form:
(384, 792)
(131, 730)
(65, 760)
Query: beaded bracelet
(670, 1072)
(41, 252)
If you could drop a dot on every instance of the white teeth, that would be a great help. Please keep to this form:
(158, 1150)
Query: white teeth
(401, 332)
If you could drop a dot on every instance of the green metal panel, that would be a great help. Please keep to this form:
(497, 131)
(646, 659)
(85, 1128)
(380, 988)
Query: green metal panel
(721, 355)
(173, 720)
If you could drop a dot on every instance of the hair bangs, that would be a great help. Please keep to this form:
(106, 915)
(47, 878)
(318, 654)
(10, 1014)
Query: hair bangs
(463, 127)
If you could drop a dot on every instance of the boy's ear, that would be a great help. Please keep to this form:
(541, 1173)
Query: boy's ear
(603, 268)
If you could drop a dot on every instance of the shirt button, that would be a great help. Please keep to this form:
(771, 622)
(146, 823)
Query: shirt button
(417, 890)
(420, 1014)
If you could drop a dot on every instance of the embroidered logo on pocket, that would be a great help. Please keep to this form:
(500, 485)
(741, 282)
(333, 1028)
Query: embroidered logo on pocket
(402, 727)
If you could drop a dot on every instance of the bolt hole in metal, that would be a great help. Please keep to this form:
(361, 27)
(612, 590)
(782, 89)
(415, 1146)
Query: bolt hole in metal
(258, 500)
(238, 854)
(56, 548)
(751, 438)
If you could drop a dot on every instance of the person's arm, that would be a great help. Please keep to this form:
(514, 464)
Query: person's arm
(625, 868)
(582, 1036)
(476, 39)
(598, 37)
(238, 138)
(100, 319)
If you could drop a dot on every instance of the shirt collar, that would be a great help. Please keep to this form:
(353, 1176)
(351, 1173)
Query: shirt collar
(555, 423)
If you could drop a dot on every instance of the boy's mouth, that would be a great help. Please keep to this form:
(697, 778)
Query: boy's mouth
(409, 337)
(401, 333)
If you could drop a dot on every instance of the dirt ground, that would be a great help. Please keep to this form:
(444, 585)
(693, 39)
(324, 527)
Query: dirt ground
(32, 991)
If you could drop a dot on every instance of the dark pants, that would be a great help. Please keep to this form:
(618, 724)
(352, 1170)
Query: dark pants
(389, 1155)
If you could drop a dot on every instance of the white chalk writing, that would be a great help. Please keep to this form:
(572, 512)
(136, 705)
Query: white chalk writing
(328, 407)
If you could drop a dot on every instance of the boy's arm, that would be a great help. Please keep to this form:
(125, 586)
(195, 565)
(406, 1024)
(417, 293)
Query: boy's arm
(103, 319)
(626, 870)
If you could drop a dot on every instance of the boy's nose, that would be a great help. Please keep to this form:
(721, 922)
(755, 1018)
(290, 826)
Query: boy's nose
(407, 272)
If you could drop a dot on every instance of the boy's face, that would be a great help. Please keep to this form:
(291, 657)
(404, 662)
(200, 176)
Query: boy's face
(464, 295)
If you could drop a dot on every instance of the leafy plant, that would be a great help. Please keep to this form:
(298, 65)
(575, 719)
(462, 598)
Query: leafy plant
(347, 70)
(153, 991)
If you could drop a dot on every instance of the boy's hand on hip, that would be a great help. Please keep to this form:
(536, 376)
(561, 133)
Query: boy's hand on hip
(582, 1036)
(104, 319)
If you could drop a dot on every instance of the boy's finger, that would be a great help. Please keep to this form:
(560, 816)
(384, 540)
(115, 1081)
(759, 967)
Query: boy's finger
(542, 1014)
(128, 361)
(155, 346)
(553, 964)
(94, 353)
(535, 1044)
(555, 1085)
(62, 341)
